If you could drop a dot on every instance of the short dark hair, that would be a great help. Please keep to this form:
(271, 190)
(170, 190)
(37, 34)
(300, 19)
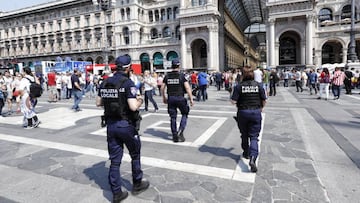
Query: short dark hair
(27, 70)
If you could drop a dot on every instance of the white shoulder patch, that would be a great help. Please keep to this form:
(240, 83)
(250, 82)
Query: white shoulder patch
(133, 90)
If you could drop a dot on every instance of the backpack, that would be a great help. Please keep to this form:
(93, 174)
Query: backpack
(35, 89)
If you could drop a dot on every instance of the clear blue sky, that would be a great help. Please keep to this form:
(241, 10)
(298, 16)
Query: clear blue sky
(10, 5)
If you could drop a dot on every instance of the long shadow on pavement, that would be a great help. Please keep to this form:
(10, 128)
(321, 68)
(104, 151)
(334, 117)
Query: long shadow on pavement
(99, 174)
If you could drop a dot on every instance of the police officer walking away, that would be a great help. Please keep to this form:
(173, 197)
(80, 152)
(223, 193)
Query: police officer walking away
(249, 97)
(177, 85)
(117, 95)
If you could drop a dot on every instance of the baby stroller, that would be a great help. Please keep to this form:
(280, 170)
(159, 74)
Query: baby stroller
(195, 91)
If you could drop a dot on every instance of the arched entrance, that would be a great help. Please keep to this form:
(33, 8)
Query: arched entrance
(331, 52)
(89, 59)
(199, 53)
(289, 50)
(111, 59)
(99, 60)
(171, 56)
(145, 62)
(158, 61)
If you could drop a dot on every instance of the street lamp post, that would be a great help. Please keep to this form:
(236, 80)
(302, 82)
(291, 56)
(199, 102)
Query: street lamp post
(105, 5)
(352, 53)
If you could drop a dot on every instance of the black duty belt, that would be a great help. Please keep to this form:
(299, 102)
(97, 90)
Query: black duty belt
(248, 107)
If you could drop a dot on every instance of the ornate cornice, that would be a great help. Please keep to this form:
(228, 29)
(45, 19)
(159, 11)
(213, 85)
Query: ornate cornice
(289, 7)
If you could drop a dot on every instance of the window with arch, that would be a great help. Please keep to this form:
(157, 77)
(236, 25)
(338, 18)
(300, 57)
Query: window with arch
(151, 19)
(325, 14)
(177, 32)
(154, 33)
(346, 12)
(128, 13)
(122, 13)
(169, 13)
(126, 35)
(176, 12)
(166, 32)
(157, 16)
(141, 35)
(162, 15)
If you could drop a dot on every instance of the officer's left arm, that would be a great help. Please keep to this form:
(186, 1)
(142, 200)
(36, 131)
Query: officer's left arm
(134, 103)
(235, 95)
(99, 101)
(163, 93)
(133, 100)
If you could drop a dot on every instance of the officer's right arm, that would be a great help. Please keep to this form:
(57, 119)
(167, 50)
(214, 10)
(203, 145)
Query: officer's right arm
(188, 91)
(134, 103)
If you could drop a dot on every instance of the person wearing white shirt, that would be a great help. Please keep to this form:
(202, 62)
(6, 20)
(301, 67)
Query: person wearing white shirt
(258, 75)
(27, 103)
(68, 85)
(149, 84)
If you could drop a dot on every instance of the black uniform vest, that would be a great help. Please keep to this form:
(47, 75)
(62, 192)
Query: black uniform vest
(249, 95)
(115, 100)
(175, 85)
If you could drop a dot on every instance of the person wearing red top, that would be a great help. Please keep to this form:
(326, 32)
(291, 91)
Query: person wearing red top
(324, 81)
(52, 86)
(337, 81)
(194, 81)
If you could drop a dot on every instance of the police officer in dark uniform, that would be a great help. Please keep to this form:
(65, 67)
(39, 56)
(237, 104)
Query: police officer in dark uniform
(118, 96)
(177, 85)
(250, 98)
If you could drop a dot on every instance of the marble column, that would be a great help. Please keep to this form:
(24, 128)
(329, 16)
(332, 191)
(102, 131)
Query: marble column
(272, 43)
(303, 52)
(344, 55)
(213, 58)
(309, 40)
(183, 47)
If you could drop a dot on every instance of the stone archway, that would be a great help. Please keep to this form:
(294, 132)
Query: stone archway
(89, 59)
(289, 50)
(145, 62)
(331, 52)
(111, 59)
(99, 60)
(199, 53)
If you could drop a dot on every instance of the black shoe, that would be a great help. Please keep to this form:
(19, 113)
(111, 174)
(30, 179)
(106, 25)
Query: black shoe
(180, 136)
(175, 138)
(120, 196)
(245, 155)
(252, 164)
(140, 187)
(319, 98)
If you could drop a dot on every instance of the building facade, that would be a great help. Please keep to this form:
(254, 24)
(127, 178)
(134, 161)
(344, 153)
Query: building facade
(310, 33)
(151, 32)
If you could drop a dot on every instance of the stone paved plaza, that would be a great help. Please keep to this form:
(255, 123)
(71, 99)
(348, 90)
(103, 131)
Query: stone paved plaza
(309, 152)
